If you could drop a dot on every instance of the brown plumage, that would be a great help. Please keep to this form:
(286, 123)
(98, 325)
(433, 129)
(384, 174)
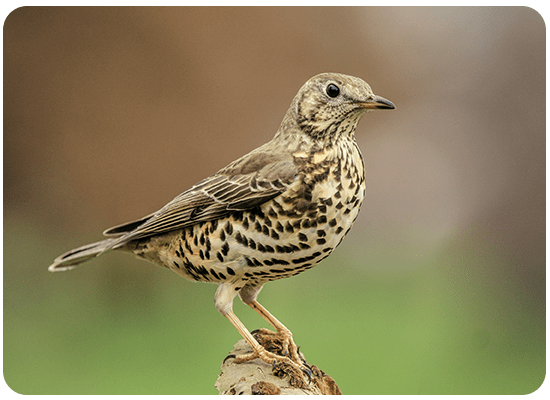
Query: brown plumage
(273, 213)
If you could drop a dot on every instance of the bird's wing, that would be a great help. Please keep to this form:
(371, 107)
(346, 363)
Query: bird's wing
(246, 183)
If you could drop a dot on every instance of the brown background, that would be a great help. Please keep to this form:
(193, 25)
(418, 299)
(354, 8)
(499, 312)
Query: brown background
(111, 112)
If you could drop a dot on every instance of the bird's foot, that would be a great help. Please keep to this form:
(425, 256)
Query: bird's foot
(280, 343)
(280, 351)
(299, 375)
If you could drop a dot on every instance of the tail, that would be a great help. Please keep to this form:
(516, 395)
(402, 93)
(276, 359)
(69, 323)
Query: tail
(72, 258)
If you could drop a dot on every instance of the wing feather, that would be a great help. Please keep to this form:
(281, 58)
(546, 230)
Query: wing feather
(237, 187)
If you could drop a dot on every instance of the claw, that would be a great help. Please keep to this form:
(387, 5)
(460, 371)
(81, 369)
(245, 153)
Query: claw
(309, 373)
(228, 357)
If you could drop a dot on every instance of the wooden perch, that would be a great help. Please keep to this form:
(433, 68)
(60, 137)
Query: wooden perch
(257, 377)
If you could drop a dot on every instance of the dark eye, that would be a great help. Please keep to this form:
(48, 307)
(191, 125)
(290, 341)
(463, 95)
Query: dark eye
(333, 90)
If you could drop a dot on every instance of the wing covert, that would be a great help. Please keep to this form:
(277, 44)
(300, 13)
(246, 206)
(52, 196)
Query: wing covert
(214, 197)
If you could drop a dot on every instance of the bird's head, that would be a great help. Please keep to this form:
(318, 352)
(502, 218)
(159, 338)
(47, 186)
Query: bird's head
(330, 105)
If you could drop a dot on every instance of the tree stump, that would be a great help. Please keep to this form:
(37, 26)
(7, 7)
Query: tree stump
(257, 377)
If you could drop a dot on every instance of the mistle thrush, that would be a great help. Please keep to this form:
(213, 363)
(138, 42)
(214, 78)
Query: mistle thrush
(271, 214)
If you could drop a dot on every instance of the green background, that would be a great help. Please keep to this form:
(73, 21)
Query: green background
(109, 113)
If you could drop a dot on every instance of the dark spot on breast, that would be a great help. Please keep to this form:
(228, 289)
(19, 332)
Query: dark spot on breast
(279, 262)
(332, 222)
(308, 258)
(230, 271)
(302, 237)
(228, 228)
(321, 241)
(257, 263)
(353, 199)
(225, 248)
(220, 257)
(239, 237)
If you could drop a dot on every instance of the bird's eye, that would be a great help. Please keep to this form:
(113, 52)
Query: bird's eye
(333, 90)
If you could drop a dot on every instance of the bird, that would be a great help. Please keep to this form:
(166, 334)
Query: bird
(273, 213)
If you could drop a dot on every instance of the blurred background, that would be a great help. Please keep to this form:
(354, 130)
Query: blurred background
(109, 113)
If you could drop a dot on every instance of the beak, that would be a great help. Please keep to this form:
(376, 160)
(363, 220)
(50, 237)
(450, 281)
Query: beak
(377, 103)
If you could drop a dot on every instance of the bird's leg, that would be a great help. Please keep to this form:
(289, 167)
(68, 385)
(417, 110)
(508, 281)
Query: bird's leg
(285, 334)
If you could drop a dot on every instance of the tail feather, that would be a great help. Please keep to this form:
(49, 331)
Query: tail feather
(79, 255)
